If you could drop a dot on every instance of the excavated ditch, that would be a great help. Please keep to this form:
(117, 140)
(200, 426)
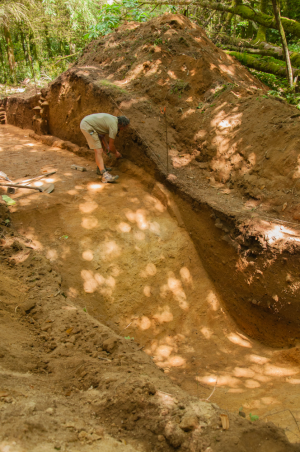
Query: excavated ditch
(116, 248)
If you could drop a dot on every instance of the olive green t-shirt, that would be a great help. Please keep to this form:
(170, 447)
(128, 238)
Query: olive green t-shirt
(103, 123)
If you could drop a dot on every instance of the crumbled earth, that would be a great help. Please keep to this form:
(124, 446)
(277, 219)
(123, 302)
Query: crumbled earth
(89, 278)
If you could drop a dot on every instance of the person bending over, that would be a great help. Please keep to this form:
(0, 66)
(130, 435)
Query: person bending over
(94, 128)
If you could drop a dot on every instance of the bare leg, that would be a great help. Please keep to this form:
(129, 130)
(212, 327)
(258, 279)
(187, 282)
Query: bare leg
(99, 158)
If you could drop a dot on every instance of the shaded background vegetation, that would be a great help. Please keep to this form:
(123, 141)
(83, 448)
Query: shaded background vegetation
(40, 38)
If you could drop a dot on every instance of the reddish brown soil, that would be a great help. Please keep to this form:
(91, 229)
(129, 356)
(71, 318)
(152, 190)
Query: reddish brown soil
(232, 167)
(111, 250)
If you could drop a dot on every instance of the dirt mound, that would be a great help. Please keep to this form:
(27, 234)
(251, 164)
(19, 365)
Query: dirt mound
(221, 129)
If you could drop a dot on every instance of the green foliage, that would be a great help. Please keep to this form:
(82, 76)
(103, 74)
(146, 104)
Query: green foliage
(111, 16)
(279, 87)
(253, 417)
(179, 87)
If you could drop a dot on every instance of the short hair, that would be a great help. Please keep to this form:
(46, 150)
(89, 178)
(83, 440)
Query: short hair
(123, 121)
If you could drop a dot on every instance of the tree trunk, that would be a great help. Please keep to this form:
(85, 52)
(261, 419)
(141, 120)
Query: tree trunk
(261, 32)
(10, 52)
(24, 47)
(3, 63)
(33, 50)
(227, 25)
(30, 59)
(259, 65)
(48, 42)
(271, 51)
(289, 25)
(284, 43)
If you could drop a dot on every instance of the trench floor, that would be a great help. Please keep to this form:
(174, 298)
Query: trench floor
(126, 261)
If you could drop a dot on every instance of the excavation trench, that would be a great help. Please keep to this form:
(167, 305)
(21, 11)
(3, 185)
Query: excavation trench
(126, 259)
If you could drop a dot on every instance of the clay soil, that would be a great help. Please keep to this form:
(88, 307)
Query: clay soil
(190, 261)
(108, 339)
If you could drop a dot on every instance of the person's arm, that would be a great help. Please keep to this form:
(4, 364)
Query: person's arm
(113, 149)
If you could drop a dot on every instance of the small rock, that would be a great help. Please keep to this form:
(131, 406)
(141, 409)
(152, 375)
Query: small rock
(189, 422)
(284, 206)
(46, 327)
(289, 278)
(160, 438)
(27, 306)
(218, 224)
(99, 431)
(82, 435)
(50, 411)
(242, 413)
(57, 447)
(110, 344)
(174, 434)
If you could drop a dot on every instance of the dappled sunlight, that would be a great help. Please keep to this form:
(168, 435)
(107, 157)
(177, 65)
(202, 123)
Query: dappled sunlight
(150, 270)
(138, 217)
(207, 332)
(96, 282)
(277, 232)
(109, 250)
(238, 340)
(164, 315)
(153, 204)
(52, 255)
(186, 276)
(89, 223)
(144, 323)
(88, 206)
(88, 255)
(212, 301)
(293, 381)
(175, 287)
(188, 113)
(182, 160)
(276, 371)
(147, 291)
(124, 227)
(95, 187)
(258, 359)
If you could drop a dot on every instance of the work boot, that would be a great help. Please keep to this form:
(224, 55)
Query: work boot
(107, 168)
(106, 177)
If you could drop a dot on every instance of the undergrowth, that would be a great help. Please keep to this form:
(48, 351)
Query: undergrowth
(279, 87)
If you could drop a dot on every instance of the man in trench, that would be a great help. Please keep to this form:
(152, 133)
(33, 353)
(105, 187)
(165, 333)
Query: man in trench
(94, 128)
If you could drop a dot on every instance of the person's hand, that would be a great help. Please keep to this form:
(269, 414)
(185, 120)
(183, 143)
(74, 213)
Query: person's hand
(118, 155)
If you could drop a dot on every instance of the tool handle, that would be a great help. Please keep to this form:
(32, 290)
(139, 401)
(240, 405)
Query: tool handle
(21, 186)
(37, 178)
